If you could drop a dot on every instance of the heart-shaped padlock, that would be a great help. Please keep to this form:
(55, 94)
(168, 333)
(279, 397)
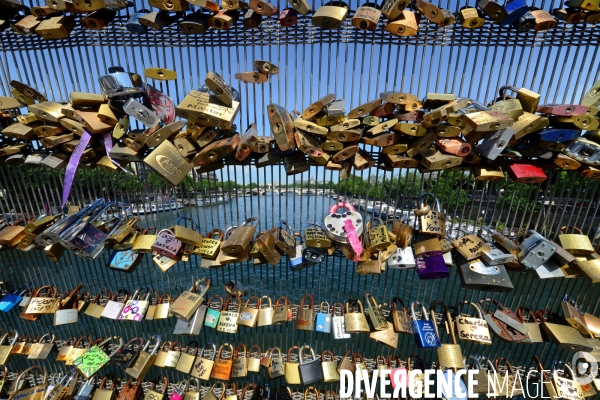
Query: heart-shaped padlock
(335, 222)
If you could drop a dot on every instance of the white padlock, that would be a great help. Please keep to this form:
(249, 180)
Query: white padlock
(402, 258)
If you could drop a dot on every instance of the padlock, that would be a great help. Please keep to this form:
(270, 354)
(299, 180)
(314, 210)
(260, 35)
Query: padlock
(515, 9)
(65, 350)
(204, 363)
(495, 11)
(59, 27)
(375, 313)
(477, 275)
(405, 24)
(127, 355)
(41, 350)
(355, 320)
(573, 315)
(479, 381)
(7, 347)
(565, 336)
(223, 366)
(188, 302)
(344, 227)
(265, 313)
(276, 366)
(449, 355)
(228, 321)
(535, 250)
(503, 322)
(470, 246)
(33, 392)
(525, 23)
(282, 312)
(94, 358)
(213, 314)
(576, 243)
(431, 222)
(330, 16)
(292, 364)
(102, 393)
(566, 387)
(306, 316)
(424, 330)
(249, 313)
(393, 9)
(152, 393)
(135, 308)
(472, 329)
(310, 371)
(366, 17)
(534, 332)
(254, 363)
(240, 238)
(470, 18)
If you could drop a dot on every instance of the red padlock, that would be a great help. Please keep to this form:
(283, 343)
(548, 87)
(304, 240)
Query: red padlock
(288, 17)
(526, 173)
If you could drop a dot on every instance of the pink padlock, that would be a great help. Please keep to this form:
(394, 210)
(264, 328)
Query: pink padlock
(166, 244)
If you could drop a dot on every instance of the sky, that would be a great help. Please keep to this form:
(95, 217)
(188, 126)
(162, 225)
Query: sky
(356, 72)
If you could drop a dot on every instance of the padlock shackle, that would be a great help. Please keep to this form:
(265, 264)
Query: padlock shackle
(249, 352)
(301, 353)
(290, 351)
(424, 312)
(327, 352)
(184, 217)
(210, 301)
(286, 301)
(508, 364)
(257, 302)
(564, 229)
(410, 359)
(311, 389)
(342, 204)
(214, 348)
(459, 308)
(221, 350)
(436, 202)
(25, 372)
(310, 297)
(237, 350)
(477, 362)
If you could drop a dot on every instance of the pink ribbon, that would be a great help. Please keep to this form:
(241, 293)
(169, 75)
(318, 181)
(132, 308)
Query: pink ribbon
(353, 238)
(73, 164)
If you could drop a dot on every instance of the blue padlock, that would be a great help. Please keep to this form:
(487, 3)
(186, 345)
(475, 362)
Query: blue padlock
(558, 135)
(10, 300)
(426, 335)
(298, 261)
(515, 10)
(133, 24)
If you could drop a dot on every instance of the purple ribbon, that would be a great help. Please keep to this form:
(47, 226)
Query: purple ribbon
(108, 147)
(73, 164)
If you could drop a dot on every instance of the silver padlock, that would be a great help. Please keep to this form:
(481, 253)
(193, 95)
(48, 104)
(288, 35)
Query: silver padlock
(403, 258)
(313, 254)
(85, 390)
(549, 269)
(492, 145)
(337, 108)
(193, 326)
(495, 256)
(298, 262)
(535, 250)
(141, 113)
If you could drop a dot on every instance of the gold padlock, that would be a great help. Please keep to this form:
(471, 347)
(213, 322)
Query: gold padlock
(575, 243)
(330, 17)
(377, 237)
(431, 222)
(449, 355)
(241, 238)
(406, 24)
(354, 318)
